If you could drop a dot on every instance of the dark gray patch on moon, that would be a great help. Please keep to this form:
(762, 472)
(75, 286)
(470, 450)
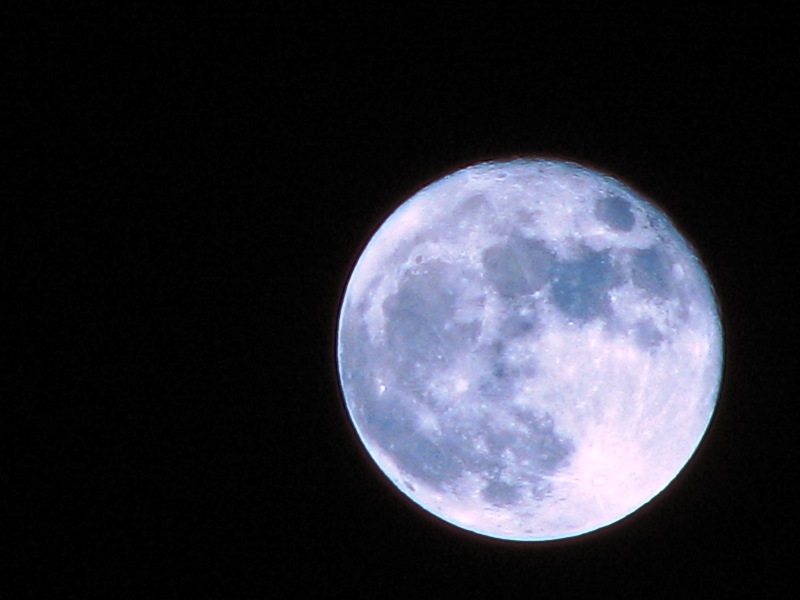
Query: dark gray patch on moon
(541, 488)
(518, 266)
(537, 450)
(388, 421)
(615, 212)
(650, 271)
(426, 460)
(519, 319)
(497, 385)
(471, 205)
(580, 287)
(496, 381)
(647, 335)
(518, 325)
(497, 441)
(501, 493)
(461, 441)
(356, 365)
(542, 446)
(534, 449)
(421, 333)
(393, 426)
(543, 450)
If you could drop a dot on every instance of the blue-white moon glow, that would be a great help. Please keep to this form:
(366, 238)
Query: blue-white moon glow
(529, 349)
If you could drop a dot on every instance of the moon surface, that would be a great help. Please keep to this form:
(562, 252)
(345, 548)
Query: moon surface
(529, 350)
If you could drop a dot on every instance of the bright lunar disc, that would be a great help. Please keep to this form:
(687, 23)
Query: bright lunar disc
(529, 350)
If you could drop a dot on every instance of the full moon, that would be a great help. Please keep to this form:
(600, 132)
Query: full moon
(529, 349)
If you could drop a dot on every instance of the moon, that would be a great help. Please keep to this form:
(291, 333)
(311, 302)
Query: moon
(529, 350)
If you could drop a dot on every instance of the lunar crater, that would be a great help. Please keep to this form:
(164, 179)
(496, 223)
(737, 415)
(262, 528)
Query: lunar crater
(518, 266)
(615, 212)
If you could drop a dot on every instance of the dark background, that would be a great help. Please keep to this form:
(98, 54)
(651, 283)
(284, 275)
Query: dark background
(190, 193)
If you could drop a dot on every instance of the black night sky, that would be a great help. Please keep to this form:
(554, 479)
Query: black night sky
(195, 189)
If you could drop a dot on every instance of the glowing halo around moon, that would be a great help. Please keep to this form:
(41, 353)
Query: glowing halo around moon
(529, 350)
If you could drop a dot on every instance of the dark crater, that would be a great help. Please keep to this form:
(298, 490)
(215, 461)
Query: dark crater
(542, 446)
(537, 452)
(392, 425)
(519, 325)
(580, 287)
(647, 335)
(615, 212)
(501, 493)
(421, 333)
(650, 271)
(497, 380)
(520, 319)
(518, 266)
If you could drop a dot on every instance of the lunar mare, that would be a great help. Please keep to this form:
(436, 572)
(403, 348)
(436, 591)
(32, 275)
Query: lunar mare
(529, 350)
